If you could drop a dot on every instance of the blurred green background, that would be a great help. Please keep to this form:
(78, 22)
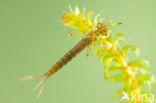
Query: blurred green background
(33, 38)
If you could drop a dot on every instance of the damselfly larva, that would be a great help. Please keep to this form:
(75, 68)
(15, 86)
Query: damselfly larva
(101, 29)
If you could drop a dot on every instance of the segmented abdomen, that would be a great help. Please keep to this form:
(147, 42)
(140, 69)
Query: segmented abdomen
(72, 53)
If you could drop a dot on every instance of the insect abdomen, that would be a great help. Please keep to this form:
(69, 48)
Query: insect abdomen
(71, 54)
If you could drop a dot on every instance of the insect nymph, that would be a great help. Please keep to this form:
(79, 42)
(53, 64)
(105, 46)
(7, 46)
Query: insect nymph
(101, 30)
(133, 74)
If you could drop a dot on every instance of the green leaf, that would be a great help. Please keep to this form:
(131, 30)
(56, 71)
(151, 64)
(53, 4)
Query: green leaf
(100, 54)
(120, 77)
(70, 9)
(89, 15)
(153, 80)
(107, 62)
(133, 48)
(140, 64)
(96, 17)
(109, 38)
(146, 80)
(108, 53)
(113, 69)
(111, 25)
(119, 37)
(118, 94)
(77, 10)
